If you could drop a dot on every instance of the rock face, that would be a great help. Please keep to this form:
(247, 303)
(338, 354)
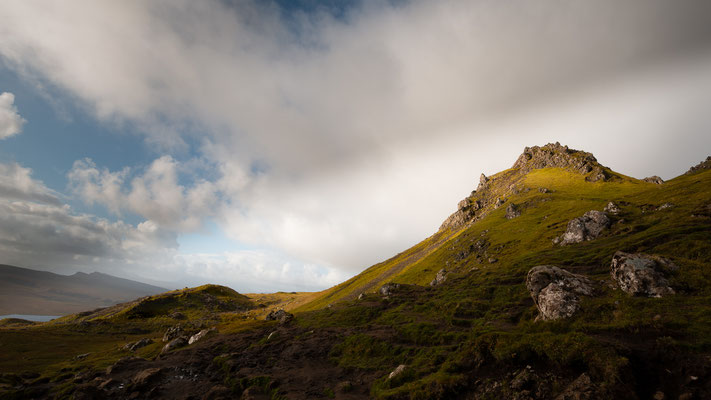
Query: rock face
(654, 179)
(703, 165)
(439, 278)
(641, 274)
(556, 292)
(280, 315)
(587, 227)
(513, 211)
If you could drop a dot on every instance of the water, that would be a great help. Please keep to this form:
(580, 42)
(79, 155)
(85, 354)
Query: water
(36, 318)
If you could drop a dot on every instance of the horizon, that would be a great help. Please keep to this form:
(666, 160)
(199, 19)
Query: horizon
(280, 146)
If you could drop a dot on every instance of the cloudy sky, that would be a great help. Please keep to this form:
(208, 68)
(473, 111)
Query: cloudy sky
(288, 145)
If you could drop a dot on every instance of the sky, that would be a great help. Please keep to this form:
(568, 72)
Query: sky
(288, 145)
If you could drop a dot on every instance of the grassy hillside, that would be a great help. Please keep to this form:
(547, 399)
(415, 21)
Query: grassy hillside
(474, 336)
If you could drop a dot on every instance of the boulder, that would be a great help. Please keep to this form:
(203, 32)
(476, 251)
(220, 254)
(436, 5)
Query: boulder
(587, 227)
(641, 274)
(280, 315)
(556, 292)
(612, 208)
(439, 278)
(397, 371)
(513, 211)
(389, 288)
(499, 202)
(654, 179)
(194, 338)
(172, 333)
(597, 174)
(175, 344)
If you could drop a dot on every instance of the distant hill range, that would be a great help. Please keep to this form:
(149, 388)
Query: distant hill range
(27, 291)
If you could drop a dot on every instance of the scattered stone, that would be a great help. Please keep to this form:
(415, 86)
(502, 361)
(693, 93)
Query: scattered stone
(499, 202)
(178, 342)
(665, 206)
(81, 356)
(642, 275)
(659, 395)
(612, 208)
(389, 288)
(361, 296)
(512, 211)
(137, 345)
(524, 379)
(493, 260)
(271, 335)
(194, 338)
(581, 388)
(399, 370)
(144, 377)
(654, 179)
(544, 190)
(172, 333)
(556, 291)
(439, 278)
(280, 315)
(587, 227)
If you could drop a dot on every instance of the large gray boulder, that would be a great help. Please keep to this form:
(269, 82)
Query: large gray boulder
(556, 292)
(172, 333)
(641, 274)
(587, 227)
(388, 289)
(513, 211)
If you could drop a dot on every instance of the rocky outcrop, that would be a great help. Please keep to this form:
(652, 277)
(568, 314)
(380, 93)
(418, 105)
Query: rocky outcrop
(641, 274)
(581, 388)
(553, 155)
(587, 227)
(280, 315)
(654, 179)
(556, 292)
(703, 165)
(439, 278)
(145, 377)
(513, 211)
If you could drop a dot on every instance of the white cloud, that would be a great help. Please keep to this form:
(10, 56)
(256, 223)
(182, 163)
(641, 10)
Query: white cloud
(154, 194)
(16, 183)
(10, 121)
(345, 142)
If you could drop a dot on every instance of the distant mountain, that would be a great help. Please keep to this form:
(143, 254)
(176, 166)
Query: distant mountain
(27, 291)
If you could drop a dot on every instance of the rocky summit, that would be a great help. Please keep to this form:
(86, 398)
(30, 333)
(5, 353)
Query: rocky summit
(555, 279)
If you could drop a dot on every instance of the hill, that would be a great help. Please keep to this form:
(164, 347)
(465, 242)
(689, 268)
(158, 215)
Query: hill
(27, 291)
(555, 279)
